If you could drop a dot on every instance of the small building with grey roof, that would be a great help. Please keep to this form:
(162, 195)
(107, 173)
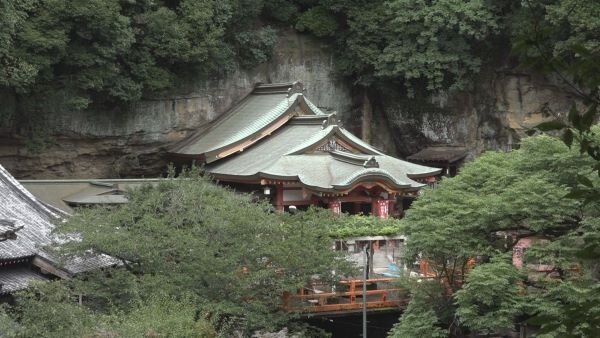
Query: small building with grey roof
(26, 226)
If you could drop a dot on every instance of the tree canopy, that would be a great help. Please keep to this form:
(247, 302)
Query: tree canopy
(71, 53)
(225, 257)
(427, 45)
(481, 214)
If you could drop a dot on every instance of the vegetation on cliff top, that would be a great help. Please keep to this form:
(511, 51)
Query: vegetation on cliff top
(69, 54)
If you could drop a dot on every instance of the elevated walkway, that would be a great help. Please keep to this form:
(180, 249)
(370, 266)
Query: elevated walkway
(346, 297)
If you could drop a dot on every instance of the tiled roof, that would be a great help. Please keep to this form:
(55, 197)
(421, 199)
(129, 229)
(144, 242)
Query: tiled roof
(290, 154)
(66, 194)
(440, 153)
(76, 265)
(17, 278)
(19, 207)
(266, 105)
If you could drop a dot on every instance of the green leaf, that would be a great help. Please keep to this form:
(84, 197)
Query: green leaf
(567, 137)
(585, 181)
(587, 120)
(576, 194)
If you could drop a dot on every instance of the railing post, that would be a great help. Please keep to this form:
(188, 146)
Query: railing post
(364, 312)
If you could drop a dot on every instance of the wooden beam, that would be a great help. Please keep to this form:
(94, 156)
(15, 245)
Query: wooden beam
(48, 268)
(278, 203)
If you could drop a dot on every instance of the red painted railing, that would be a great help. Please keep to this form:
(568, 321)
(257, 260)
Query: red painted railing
(347, 297)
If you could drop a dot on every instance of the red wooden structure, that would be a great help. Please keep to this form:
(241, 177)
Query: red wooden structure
(347, 297)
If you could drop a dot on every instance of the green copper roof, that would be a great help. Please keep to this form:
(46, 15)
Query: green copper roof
(259, 110)
(66, 194)
(276, 133)
(289, 154)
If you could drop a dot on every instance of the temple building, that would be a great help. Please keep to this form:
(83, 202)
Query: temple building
(67, 195)
(447, 157)
(26, 226)
(275, 141)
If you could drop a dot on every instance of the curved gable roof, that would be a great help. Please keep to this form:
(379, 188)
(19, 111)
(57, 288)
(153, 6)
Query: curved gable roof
(292, 153)
(264, 110)
(18, 206)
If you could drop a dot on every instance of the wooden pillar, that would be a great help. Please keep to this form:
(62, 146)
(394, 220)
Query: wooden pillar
(391, 205)
(279, 197)
(423, 267)
(335, 207)
(382, 208)
(374, 207)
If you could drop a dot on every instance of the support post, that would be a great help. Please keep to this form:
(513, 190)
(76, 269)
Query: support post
(335, 207)
(279, 197)
(364, 295)
(381, 208)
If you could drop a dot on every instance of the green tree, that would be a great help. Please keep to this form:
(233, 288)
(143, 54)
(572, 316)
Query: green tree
(427, 45)
(236, 256)
(57, 55)
(482, 213)
(561, 37)
(49, 310)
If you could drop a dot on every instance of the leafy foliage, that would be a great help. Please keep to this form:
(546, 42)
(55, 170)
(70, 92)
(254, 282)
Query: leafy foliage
(482, 213)
(424, 44)
(70, 54)
(489, 301)
(357, 225)
(561, 37)
(50, 311)
(419, 320)
(187, 235)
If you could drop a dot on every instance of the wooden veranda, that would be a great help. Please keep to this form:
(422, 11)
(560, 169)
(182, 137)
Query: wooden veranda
(347, 297)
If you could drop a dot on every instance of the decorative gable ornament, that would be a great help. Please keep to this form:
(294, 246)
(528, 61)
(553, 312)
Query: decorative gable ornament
(371, 163)
(330, 121)
(332, 145)
(297, 88)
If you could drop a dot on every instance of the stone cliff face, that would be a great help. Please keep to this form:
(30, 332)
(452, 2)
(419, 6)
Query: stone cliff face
(494, 116)
(133, 142)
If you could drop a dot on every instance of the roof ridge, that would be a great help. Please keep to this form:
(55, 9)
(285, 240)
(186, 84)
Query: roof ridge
(283, 106)
(364, 160)
(341, 133)
(20, 190)
(370, 171)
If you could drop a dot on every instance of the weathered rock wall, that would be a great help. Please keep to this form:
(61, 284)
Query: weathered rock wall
(493, 116)
(133, 141)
